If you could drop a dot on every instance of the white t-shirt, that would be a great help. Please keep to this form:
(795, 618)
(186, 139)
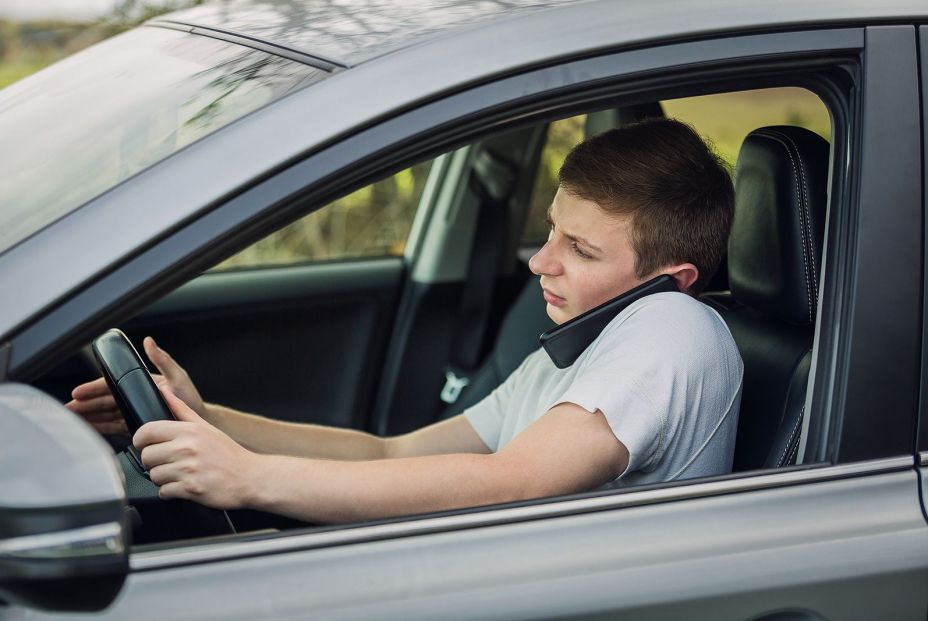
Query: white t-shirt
(666, 374)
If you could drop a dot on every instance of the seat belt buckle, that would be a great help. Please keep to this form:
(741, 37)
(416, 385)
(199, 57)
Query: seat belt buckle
(454, 385)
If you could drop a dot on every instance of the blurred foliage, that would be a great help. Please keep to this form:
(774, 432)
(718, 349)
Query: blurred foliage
(370, 222)
(724, 120)
(562, 136)
(26, 47)
(130, 13)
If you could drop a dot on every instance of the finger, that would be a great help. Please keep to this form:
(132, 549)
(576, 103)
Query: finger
(161, 359)
(115, 428)
(181, 472)
(157, 455)
(90, 406)
(156, 432)
(174, 490)
(100, 417)
(181, 410)
(162, 474)
(89, 390)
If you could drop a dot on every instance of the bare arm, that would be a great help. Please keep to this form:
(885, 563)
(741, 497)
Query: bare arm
(567, 450)
(267, 436)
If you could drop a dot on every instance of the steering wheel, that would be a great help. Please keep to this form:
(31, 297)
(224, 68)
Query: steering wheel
(140, 402)
(136, 393)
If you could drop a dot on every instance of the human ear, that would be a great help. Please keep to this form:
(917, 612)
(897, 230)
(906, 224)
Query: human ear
(685, 274)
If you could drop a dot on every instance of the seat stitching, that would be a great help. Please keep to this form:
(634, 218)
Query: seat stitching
(807, 202)
(776, 137)
(789, 441)
(795, 451)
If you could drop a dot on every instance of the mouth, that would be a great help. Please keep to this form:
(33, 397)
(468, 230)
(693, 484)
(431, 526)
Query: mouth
(552, 299)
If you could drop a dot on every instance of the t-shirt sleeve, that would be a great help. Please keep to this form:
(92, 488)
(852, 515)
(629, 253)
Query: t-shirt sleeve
(487, 415)
(635, 421)
(633, 376)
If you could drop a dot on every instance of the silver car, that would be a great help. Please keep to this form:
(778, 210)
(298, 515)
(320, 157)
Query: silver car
(323, 208)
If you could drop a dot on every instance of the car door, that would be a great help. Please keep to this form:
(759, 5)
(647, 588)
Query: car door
(840, 536)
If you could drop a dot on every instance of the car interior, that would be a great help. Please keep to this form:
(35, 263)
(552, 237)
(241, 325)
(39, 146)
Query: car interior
(393, 341)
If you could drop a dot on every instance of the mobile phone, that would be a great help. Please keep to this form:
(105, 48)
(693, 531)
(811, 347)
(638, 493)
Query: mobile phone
(565, 343)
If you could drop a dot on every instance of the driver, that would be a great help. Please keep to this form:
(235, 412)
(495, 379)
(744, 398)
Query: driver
(654, 398)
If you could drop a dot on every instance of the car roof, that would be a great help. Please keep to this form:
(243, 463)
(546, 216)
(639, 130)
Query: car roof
(349, 32)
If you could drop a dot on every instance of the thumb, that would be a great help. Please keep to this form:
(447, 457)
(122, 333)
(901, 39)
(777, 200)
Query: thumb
(181, 410)
(160, 358)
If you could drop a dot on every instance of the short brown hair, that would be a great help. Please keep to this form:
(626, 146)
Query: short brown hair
(677, 191)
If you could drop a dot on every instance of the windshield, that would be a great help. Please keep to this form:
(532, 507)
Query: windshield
(78, 128)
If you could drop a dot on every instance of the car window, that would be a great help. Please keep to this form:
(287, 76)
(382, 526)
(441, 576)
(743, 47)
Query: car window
(723, 119)
(128, 119)
(371, 222)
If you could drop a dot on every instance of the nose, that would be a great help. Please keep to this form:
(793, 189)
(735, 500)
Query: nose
(543, 262)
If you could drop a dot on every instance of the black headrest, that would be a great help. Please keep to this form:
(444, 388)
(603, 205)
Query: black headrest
(775, 248)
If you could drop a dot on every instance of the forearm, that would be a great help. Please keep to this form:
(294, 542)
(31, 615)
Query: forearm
(268, 436)
(338, 491)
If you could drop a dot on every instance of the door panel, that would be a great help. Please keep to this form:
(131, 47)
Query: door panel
(298, 343)
(849, 548)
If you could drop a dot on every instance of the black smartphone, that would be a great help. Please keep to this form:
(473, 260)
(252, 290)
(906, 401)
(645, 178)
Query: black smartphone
(565, 343)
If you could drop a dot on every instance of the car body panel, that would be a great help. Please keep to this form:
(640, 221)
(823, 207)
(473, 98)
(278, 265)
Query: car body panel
(353, 33)
(728, 556)
(350, 33)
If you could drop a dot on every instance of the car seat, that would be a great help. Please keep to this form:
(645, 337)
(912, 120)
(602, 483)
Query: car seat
(774, 266)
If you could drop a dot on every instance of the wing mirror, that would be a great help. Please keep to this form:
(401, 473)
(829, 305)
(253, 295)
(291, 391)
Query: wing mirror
(63, 529)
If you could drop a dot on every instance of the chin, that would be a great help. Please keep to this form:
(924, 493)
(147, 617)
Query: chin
(558, 315)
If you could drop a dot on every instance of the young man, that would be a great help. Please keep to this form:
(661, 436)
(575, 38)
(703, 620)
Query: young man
(654, 398)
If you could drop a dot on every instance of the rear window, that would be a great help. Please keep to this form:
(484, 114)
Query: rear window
(80, 127)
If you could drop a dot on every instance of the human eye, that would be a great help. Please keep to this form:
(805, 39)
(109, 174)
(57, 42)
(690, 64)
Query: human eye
(576, 248)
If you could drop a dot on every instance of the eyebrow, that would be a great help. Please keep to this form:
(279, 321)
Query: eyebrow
(573, 238)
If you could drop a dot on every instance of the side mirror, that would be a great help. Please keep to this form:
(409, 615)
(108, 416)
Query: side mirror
(63, 535)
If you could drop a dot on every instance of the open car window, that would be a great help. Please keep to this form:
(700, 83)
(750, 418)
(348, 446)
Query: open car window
(400, 195)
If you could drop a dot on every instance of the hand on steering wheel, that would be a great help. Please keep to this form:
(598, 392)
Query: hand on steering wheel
(131, 389)
(96, 404)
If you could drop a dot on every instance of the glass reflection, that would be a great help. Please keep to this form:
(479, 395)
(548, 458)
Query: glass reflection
(82, 126)
(355, 31)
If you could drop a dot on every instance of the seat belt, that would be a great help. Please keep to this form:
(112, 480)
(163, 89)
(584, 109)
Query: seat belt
(493, 181)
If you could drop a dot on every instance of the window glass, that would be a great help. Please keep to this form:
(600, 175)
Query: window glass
(371, 222)
(129, 102)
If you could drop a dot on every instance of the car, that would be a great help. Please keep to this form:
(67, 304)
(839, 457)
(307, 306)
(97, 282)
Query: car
(302, 200)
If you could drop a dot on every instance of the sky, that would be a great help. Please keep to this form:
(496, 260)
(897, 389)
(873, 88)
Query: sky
(54, 9)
